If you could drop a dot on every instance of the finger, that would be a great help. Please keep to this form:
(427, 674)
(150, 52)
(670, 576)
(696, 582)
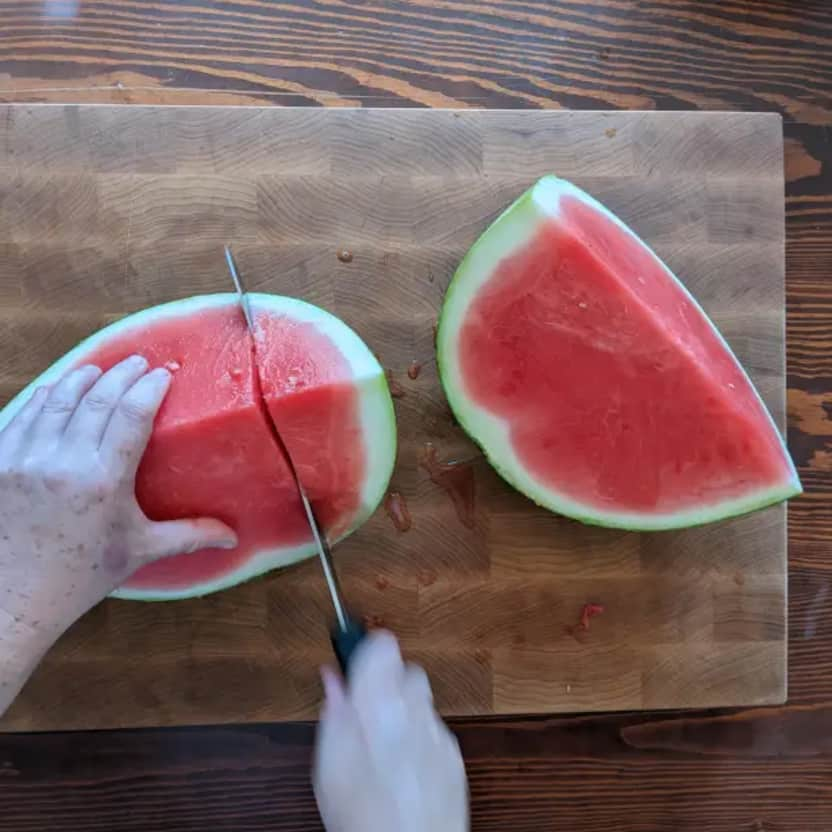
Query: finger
(14, 434)
(177, 537)
(418, 698)
(376, 672)
(339, 750)
(96, 408)
(128, 431)
(416, 685)
(61, 402)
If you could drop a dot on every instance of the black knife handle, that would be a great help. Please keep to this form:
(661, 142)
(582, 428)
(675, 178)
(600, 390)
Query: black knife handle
(344, 642)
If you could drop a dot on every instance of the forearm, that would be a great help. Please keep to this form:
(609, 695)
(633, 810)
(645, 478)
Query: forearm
(32, 619)
(21, 649)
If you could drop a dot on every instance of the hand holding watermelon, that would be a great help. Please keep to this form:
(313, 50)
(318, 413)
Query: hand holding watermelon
(70, 527)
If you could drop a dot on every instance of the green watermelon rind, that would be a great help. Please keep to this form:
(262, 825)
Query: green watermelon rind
(377, 417)
(507, 234)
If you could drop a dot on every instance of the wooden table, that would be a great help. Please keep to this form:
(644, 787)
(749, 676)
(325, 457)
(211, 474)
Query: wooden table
(759, 769)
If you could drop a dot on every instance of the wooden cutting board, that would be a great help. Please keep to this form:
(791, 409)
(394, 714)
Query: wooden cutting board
(106, 210)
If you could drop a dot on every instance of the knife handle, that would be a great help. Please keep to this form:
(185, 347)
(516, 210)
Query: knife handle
(344, 642)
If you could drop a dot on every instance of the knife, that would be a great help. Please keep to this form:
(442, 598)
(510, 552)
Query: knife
(348, 632)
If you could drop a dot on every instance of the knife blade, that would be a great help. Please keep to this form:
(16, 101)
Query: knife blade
(348, 631)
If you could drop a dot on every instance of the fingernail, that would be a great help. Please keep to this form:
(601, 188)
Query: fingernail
(226, 544)
(160, 374)
(138, 360)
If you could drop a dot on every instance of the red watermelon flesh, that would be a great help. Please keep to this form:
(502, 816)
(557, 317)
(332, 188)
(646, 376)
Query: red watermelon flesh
(314, 404)
(620, 402)
(212, 453)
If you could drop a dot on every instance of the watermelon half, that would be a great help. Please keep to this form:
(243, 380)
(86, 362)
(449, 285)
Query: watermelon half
(212, 454)
(594, 382)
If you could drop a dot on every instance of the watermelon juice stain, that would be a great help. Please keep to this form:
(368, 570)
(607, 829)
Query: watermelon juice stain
(456, 477)
(397, 510)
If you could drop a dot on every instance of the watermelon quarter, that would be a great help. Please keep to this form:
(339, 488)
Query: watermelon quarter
(592, 379)
(212, 454)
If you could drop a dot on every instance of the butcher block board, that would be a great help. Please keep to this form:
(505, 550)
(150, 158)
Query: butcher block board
(107, 210)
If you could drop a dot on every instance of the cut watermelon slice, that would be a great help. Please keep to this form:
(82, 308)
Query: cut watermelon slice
(212, 454)
(594, 382)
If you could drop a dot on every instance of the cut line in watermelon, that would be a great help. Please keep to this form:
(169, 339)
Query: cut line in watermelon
(593, 380)
(212, 453)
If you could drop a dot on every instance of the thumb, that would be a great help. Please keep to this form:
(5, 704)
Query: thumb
(176, 537)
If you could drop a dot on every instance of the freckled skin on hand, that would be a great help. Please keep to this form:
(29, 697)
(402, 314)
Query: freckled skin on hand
(71, 529)
(115, 558)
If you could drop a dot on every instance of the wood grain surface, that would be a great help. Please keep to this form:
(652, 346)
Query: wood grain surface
(105, 210)
(754, 769)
